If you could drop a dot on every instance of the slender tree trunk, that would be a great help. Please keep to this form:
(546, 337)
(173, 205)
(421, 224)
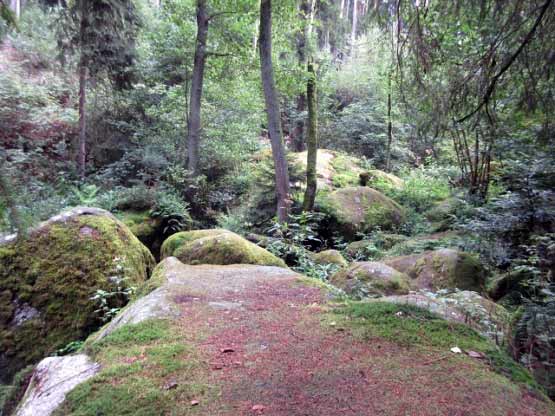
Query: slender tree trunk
(389, 126)
(272, 110)
(297, 134)
(15, 5)
(194, 124)
(341, 9)
(312, 153)
(354, 27)
(83, 62)
(6, 193)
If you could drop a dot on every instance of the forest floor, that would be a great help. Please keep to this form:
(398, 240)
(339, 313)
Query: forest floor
(272, 346)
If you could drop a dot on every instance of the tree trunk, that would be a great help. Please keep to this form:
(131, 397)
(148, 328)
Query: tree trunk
(6, 193)
(312, 145)
(389, 126)
(272, 110)
(83, 61)
(341, 9)
(297, 134)
(354, 28)
(194, 124)
(15, 5)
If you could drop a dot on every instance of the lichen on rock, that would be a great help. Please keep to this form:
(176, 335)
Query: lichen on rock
(217, 247)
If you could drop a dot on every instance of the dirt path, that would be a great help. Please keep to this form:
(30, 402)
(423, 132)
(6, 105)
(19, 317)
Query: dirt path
(262, 334)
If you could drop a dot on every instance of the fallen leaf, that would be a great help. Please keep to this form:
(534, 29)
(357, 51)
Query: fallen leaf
(258, 408)
(170, 385)
(475, 354)
(226, 350)
(456, 350)
(194, 402)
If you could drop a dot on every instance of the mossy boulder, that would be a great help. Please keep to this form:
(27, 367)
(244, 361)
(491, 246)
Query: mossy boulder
(443, 214)
(333, 169)
(330, 257)
(360, 209)
(145, 228)
(49, 277)
(488, 318)
(442, 269)
(371, 279)
(216, 247)
(382, 180)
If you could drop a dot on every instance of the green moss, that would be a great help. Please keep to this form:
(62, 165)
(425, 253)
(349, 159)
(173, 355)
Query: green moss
(413, 327)
(56, 270)
(141, 224)
(139, 363)
(359, 209)
(330, 257)
(217, 247)
(346, 171)
(370, 279)
(157, 279)
(172, 243)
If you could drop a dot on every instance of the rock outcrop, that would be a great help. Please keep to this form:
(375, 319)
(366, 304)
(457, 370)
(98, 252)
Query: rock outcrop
(360, 209)
(49, 277)
(441, 269)
(216, 247)
(371, 279)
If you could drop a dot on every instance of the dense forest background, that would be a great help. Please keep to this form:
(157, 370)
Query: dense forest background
(160, 110)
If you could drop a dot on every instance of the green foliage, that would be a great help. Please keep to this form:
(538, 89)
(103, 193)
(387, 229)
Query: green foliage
(87, 195)
(423, 187)
(173, 213)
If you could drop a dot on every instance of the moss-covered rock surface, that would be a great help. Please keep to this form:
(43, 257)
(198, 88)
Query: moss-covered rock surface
(442, 269)
(360, 209)
(330, 257)
(236, 336)
(48, 279)
(371, 279)
(217, 247)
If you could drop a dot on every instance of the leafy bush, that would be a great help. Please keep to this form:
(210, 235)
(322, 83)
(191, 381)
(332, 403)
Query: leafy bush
(172, 212)
(423, 187)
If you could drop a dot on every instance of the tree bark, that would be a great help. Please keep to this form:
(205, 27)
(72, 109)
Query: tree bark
(6, 193)
(341, 9)
(354, 28)
(82, 147)
(297, 134)
(194, 124)
(312, 145)
(389, 126)
(272, 110)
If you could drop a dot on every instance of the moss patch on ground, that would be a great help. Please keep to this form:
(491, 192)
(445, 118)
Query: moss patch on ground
(413, 327)
(147, 369)
(53, 273)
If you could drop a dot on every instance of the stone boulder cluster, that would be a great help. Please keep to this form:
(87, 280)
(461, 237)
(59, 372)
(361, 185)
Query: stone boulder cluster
(65, 278)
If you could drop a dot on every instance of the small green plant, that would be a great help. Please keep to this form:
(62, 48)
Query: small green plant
(70, 348)
(86, 195)
(172, 211)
